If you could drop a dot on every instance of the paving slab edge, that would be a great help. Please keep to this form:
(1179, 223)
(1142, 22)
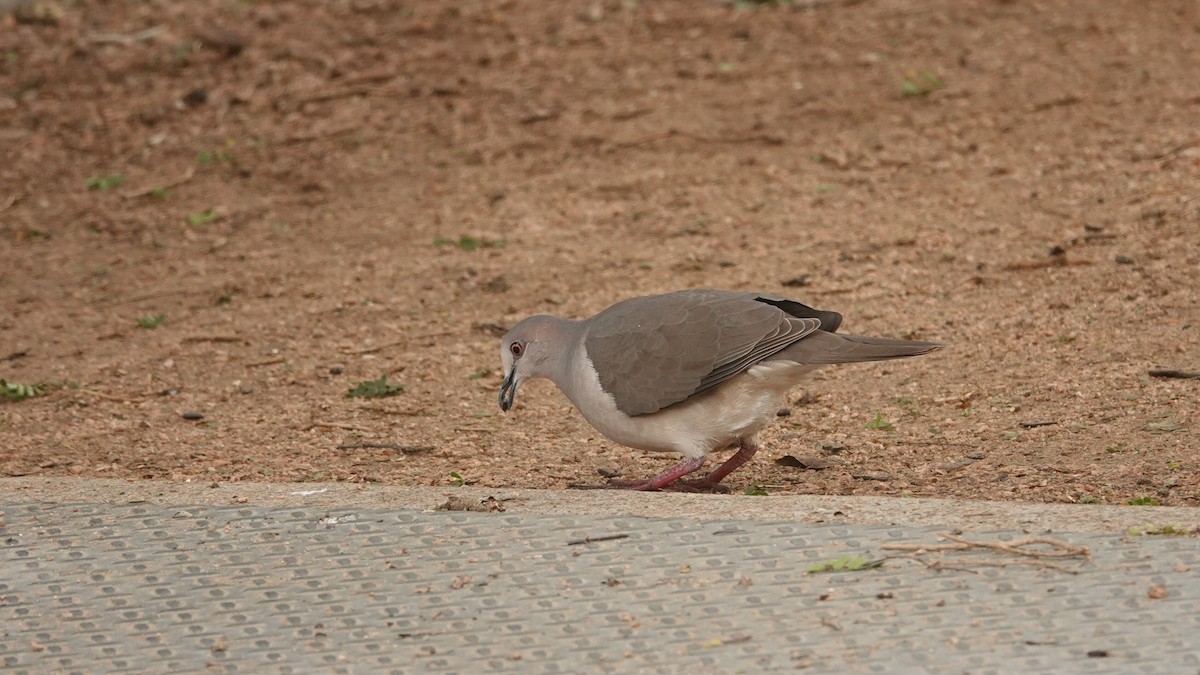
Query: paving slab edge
(906, 512)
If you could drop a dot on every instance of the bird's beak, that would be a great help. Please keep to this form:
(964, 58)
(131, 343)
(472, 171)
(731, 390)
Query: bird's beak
(508, 390)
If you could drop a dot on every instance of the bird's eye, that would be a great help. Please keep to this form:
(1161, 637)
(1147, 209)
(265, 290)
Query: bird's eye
(517, 349)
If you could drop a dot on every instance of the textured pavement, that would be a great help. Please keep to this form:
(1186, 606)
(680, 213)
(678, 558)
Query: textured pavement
(151, 588)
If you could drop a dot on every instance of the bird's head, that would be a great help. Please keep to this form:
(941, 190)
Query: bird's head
(532, 349)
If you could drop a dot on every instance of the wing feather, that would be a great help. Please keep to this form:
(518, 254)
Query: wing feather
(655, 351)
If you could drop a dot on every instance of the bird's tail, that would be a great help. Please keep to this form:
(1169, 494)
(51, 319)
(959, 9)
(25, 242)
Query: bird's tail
(823, 348)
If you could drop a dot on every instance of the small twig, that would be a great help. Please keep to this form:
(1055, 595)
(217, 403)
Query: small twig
(213, 338)
(334, 425)
(385, 446)
(847, 289)
(1070, 99)
(149, 296)
(830, 623)
(126, 38)
(371, 350)
(964, 565)
(364, 78)
(1168, 154)
(100, 394)
(1030, 558)
(1176, 374)
(270, 362)
(1052, 261)
(12, 199)
(1062, 549)
(906, 441)
(603, 537)
(421, 412)
(1038, 423)
(957, 399)
(318, 135)
(672, 133)
(334, 95)
(187, 175)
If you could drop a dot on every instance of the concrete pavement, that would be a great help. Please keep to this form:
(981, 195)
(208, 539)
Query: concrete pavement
(110, 576)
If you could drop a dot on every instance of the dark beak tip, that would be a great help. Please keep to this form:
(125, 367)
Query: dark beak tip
(508, 392)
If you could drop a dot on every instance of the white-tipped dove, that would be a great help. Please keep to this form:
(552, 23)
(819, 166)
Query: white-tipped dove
(688, 372)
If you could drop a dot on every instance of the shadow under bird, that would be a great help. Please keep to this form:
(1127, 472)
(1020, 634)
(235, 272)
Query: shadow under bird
(689, 372)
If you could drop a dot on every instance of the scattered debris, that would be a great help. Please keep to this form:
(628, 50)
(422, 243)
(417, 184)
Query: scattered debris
(374, 389)
(955, 466)
(151, 321)
(227, 42)
(493, 329)
(488, 504)
(385, 446)
(15, 391)
(1052, 261)
(1032, 551)
(809, 463)
(1165, 426)
(1175, 374)
(330, 521)
(412, 338)
(603, 537)
(880, 424)
(718, 642)
(307, 493)
(846, 563)
(127, 38)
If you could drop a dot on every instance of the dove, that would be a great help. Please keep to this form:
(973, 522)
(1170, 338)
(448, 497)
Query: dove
(690, 372)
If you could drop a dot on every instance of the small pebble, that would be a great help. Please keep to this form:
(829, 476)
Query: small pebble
(191, 416)
(336, 370)
(608, 473)
(1123, 260)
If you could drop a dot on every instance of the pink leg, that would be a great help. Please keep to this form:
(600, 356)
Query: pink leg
(671, 478)
(661, 480)
(745, 451)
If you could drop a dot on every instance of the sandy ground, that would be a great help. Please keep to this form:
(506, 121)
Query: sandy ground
(216, 218)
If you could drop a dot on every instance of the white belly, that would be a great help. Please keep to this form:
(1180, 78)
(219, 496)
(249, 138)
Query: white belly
(738, 408)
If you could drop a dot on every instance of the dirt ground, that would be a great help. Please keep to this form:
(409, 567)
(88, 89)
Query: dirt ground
(310, 194)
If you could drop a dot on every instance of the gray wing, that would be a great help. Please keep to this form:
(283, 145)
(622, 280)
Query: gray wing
(656, 351)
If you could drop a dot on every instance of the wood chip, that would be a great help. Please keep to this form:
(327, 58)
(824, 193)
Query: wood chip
(1175, 374)
(810, 463)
